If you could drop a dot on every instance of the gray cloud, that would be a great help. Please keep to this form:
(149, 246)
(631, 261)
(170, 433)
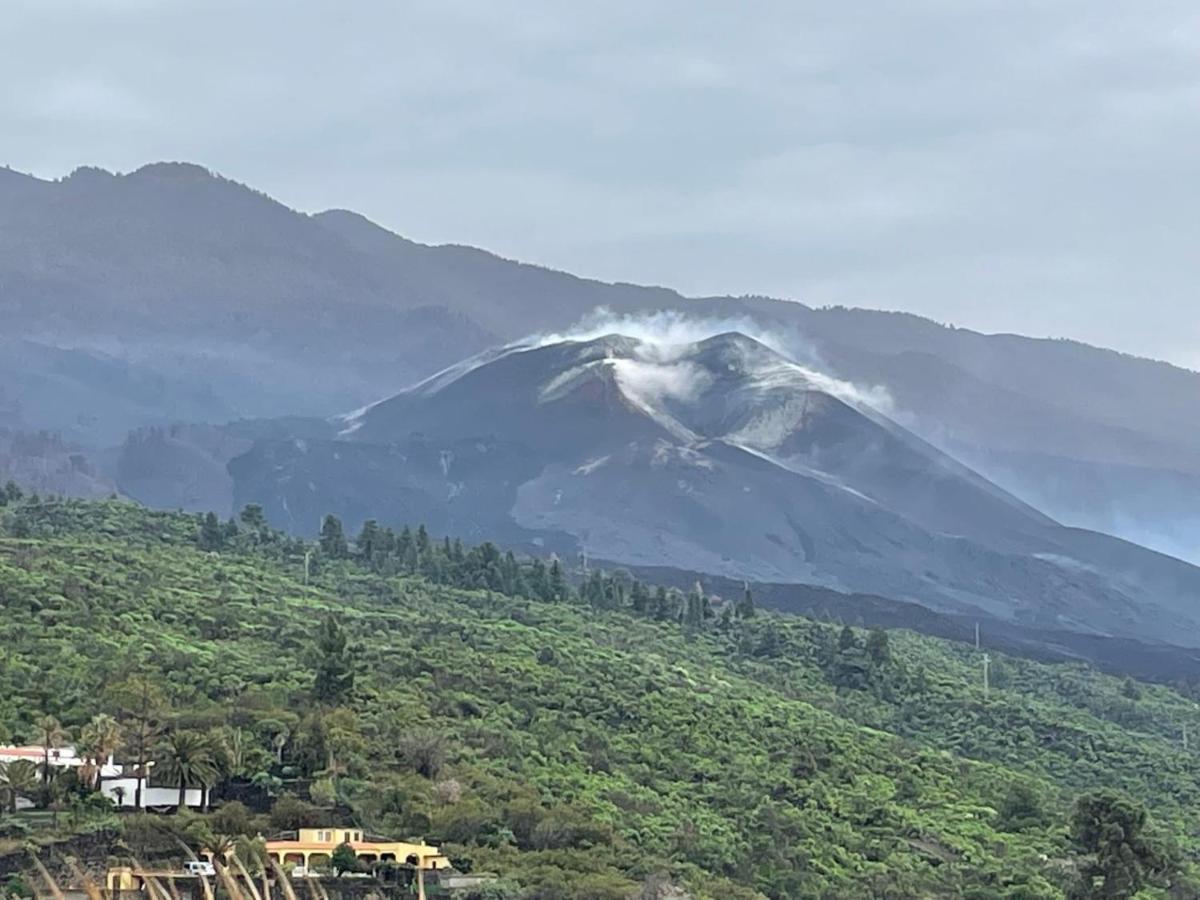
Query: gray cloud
(1026, 167)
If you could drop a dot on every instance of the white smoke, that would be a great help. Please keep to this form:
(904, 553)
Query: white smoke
(666, 334)
(652, 381)
(663, 331)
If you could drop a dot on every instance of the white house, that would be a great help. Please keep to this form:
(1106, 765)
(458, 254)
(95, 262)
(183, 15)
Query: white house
(118, 787)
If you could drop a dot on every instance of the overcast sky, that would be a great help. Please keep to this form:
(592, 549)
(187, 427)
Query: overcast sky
(1003, 165)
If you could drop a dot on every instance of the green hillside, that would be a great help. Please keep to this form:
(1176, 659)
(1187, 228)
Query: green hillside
(584, 742)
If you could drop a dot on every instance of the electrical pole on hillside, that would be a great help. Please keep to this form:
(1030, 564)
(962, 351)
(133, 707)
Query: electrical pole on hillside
(307, 558)
(976, 635)
(986, 687)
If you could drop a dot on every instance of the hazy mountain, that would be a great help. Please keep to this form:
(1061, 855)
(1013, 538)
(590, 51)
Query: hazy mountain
(94, 398)
(43, 463)
(176, 266)
(719, 456)
(198, 299)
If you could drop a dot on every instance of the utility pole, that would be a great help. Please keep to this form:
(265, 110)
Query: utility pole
(986, 688)
(307, 557)
(976, 635)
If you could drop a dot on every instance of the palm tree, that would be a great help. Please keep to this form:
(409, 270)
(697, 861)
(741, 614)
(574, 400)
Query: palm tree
(236, 744)
(188, 757)
(56, 795)
(53, 736)
(18, 779)
(99, 740)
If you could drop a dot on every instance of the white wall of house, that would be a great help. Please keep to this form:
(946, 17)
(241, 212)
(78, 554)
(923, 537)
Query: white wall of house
(121, 789)
(123, 793)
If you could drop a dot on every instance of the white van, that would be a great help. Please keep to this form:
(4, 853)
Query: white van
(199, 867)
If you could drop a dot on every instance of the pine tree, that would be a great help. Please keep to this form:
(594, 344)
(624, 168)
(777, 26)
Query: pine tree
(616, 593)
(334, 678)
(11, 492)
(333, 538)
(745, 605)
(211, 537)
(404, 543)
(387, 543)
(846, 639)
(558, 583)
(254, 521)
(141, 708)
(877, 647)
(663, 607)
(410, 560)
(368, 542)
(852, 667)
(694, 606)
(639, 598)
(771, 644)
(252, 517)
(539, 581)
(513, 582)
(593, 590)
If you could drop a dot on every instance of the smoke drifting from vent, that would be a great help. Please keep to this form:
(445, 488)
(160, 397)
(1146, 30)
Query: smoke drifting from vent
(666, 334)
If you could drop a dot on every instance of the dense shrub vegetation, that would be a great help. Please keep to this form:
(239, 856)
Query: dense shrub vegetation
(581, 741)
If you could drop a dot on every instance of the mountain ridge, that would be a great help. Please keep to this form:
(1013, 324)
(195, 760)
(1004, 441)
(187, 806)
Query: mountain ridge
(194, 277)
(335, 219)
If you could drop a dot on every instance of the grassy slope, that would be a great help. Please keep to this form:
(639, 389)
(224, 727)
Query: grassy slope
(734, 770)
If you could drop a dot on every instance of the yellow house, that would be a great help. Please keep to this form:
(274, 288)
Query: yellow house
(307, 847)
(314, 846)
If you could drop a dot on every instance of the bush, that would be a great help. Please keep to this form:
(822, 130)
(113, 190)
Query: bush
(16, 886)
(344, 859)
(13, 828)
(233, 818)
(323, 792)
(1021, 809)
(291, 813)
(501, 889)
(422, 751)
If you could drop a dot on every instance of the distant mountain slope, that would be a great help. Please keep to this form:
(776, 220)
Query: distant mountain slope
(202, 280)
(43, 463)
(94, 398)
(720, 456)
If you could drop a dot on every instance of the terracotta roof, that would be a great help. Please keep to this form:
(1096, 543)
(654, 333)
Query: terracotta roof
(30, 752)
